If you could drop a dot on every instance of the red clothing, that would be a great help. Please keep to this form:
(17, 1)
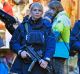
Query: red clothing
(8, 8)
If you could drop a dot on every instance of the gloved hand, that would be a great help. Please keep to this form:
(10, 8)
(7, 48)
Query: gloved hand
(50, 14)
(73, 53)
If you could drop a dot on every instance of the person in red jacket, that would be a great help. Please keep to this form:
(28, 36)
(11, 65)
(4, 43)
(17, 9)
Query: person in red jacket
(7, 8)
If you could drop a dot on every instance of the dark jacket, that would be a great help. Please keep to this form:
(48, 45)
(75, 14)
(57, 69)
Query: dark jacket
(19, 40)
(75, 37)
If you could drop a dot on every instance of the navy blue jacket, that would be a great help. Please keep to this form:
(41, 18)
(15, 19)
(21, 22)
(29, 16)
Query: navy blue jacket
(18, 40)
(75, 37)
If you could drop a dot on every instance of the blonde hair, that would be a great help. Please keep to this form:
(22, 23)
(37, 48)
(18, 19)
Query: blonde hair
(36, 4)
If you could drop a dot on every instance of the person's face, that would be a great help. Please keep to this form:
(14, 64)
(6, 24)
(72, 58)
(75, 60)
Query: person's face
(36, 13)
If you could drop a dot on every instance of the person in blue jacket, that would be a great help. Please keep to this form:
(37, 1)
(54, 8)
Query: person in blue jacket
(75, 41)
(20, 38)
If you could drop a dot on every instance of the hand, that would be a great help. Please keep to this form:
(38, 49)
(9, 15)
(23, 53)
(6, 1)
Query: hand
(43, 63)
(15, 25)
(25, 54)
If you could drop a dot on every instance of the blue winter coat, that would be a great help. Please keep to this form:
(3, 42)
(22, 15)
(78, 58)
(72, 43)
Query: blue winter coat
(75, 40)
(18, 40)
(75, 37)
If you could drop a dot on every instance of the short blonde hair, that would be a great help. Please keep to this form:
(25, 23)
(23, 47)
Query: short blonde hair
(36, 4)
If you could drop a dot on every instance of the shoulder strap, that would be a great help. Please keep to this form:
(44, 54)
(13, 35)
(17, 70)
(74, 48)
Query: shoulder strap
(26, 27)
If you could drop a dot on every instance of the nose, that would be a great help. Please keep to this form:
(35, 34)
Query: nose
(37, 11)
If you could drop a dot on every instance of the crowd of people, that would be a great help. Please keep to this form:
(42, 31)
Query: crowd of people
(48, 33)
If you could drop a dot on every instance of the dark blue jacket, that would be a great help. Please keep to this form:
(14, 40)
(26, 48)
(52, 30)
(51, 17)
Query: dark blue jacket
(19, 40)
(75, 37)
(75, 40)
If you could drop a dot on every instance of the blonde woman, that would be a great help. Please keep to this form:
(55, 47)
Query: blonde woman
(27, 36)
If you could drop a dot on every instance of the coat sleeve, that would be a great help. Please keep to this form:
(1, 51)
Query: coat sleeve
(50, 43)
(57, 29)
(15, 42)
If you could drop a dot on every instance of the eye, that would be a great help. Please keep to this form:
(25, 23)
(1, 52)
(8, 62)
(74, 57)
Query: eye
(34, 9)
(37, 10)
(40, 10)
